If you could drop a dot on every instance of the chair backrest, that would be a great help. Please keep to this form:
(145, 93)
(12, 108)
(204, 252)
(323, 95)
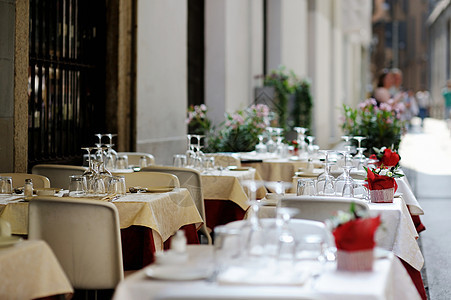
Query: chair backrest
(85, 237)
(58, 174)
(150, 180)
(133, 158)
(191, 180)
(320, 208)
(300, 228)
(225, 160)
(39, 181)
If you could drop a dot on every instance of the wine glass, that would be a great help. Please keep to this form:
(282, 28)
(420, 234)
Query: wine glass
(348, 186)
(310, 148)
(111, 154)
(301, 138)
(254, 234)
(99, 136)
(359, 140)
(270, 145)
(286, 248)
(325, 183)
(347, 140)
(190, 154)
(260, 147)
(339, 181)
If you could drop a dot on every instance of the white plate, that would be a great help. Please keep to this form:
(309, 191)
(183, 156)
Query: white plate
(177, 272)
(6, 241)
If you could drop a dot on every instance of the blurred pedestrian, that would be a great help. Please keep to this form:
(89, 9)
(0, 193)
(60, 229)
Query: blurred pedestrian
(446, 92)
(424, 104)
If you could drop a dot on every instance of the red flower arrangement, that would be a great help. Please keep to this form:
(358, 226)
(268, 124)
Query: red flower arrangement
(386, 156)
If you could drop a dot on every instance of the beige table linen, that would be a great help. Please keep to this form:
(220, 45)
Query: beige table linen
(226, 185)
(164, 213)
(30, 270)
(388, 280)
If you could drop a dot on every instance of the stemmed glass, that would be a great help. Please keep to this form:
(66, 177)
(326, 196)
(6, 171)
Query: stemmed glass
(190, 154)
(310, 148)
(260, 147)
(270, 145)
(111, 154)
(325, 183)
(99, 136)
(339, 182)
(348, 186)
(359, 140)
(286, 247)
(348, 146)
(301, 137)
(255, 239)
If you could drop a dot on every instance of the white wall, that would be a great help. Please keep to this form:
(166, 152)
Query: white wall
(287, 35)
(319, 67)
(233, 54)
(161, 78)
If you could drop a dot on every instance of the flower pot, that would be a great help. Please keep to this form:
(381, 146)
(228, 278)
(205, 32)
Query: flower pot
(355, 260)
(382, 196)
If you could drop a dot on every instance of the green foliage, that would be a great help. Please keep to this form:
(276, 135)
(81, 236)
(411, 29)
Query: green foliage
(381, 126)
(286, 84)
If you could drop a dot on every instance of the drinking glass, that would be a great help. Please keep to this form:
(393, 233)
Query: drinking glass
(325, 183)
(359, 140)
(209, 163)
(306, 187)
(310, 251)
(254, 235)
(286, 249)
(6, 185)
(227, 247)
(122, 162)
(310, 148)
(348, 186)
(77, 186)
(179, 160)
(260, 147)
(361, 190)
(117, 185)
(270, 145)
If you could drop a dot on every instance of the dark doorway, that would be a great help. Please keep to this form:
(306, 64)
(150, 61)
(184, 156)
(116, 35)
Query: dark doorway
(196, 51)
(66, 79)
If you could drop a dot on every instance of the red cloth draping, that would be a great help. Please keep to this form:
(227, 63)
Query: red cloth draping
(357, 234)
(415, 275)
(138, 246)
(220, 212)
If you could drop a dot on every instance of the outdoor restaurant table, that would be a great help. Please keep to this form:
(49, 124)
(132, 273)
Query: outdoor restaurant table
(388, 280)
(147, 220)
(397, 233)
(30, 270)
(225, 196)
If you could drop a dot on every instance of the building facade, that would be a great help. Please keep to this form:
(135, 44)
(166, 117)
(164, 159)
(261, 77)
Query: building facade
(147, 77)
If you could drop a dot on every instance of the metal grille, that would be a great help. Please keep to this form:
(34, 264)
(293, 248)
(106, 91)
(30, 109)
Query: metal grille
(66, 78)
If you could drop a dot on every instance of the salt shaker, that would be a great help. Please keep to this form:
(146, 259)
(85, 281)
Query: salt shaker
(178, 242)
(28, 188)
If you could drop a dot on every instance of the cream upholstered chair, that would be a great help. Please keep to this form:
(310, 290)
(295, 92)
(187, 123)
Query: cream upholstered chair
(134, 157)
(58, 174)
(191, 180)
(320, 208)
(225, 160)
(150, 180)
(39, 181)
(85, 237)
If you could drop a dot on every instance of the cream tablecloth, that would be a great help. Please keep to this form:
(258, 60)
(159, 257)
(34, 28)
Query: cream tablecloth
(30, 270)
(164, 213)
(226, 185)
(388, 280)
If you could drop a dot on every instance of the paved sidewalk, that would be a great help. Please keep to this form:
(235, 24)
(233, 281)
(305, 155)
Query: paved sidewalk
(426, 158)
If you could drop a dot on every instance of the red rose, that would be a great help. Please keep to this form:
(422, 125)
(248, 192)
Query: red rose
(390, 158)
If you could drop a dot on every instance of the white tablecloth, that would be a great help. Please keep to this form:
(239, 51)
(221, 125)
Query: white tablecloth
(397, 232)
(388, 280)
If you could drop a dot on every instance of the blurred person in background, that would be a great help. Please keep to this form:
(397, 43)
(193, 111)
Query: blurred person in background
(424, 103)
(384, 84)
(446, 92)
(411, 108)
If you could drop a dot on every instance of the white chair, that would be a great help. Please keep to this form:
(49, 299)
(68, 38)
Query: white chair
(58, 174)
(39, 181)
(85, 237)
(150, 180)
(134, 157)
(320, 208)
(225, 160)
(191, 180)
